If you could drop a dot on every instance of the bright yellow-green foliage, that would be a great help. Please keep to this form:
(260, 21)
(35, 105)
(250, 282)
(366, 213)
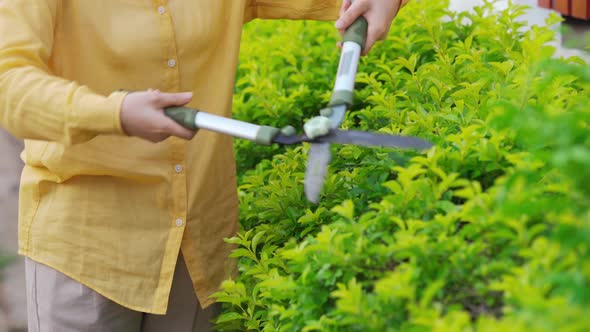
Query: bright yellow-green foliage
(487, 231)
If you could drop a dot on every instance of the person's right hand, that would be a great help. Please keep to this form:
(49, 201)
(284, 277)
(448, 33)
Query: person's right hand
(142, 115)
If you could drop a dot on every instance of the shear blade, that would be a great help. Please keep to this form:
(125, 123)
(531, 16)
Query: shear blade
(318, 159)
(315, 173)
(368, 139)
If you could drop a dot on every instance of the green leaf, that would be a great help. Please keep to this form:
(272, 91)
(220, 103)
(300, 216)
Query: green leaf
(241, 252)
(346, 209)
(228, 316)
(256, 239)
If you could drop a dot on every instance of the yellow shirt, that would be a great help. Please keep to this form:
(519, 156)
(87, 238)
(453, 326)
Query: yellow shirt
(112, 211)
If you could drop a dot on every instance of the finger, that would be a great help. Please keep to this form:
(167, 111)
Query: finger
(339, 44)
(373, 35)
(344, 7)
(367, 48)
(172, 99)
(368, 45)
(174, 129)
(157, 138)
(358, 8)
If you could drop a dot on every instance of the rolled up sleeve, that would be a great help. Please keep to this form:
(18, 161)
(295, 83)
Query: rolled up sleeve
(34, 103)
(321, 10)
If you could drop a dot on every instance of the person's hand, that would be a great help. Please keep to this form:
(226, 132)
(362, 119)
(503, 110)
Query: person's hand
(142, 115)
(379, 15)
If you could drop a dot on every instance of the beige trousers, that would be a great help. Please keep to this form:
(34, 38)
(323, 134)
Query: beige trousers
(56, 303)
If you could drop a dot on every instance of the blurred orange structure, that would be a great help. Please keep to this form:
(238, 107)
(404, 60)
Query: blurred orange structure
(574, 8)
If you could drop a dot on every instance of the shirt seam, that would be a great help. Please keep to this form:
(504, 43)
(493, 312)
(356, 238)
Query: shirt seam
(37, 203)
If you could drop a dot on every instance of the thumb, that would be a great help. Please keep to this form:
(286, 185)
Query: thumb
(173, 99)
(358, 8)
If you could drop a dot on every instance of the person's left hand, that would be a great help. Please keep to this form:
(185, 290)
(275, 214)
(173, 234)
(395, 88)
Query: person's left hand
(379, 15)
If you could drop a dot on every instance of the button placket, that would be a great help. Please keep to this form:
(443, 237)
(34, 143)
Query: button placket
(171, 82)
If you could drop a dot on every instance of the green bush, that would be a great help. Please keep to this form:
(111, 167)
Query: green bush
(487, 231)
(5, 260)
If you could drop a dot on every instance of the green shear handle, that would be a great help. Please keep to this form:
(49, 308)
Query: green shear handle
(357, 31)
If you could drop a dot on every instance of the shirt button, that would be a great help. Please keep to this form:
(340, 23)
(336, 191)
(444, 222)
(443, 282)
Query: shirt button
(171, 63)
(178, 168)
(179, 222)
(161, 9)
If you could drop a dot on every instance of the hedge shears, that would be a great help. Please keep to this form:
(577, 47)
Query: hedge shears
(319, 153)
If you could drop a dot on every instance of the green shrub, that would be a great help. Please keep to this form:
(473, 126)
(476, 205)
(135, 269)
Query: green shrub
(487, 231)
(5, 260)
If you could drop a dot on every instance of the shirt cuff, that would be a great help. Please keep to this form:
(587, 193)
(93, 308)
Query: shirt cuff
(101, 114)
(326, 10)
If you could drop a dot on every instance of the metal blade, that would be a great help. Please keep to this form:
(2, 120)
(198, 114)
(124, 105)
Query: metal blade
(337, 116)
(363, 138)
(317, 168)
(318, 159)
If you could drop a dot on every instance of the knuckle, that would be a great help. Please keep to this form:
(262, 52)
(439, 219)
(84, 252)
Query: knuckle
(153, 97)
(169, 128)
(162, 128)
(182, 132)
(379, 31)
(161, 137)
(186, 133)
